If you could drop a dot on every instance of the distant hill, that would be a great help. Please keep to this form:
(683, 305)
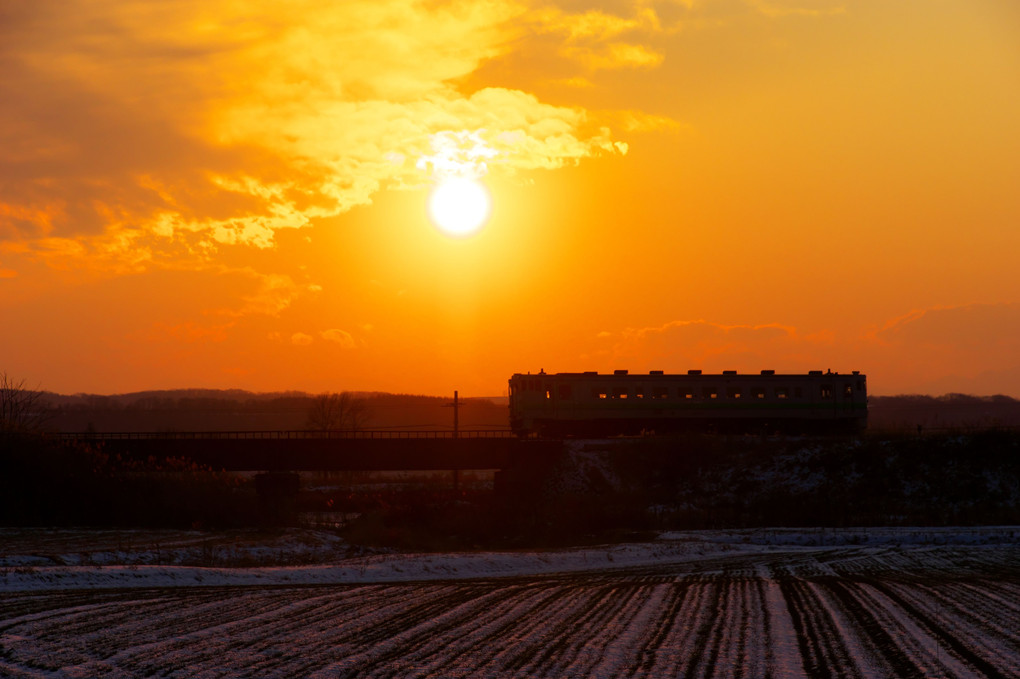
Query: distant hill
(238, 410)
(952, 411)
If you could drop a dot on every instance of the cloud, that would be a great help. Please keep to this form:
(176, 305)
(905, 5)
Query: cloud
(134, 134)
(977, 330)
(683, 344)
(592, 38)
(275, 294)
(590, 25)
(617, 55)
(341, 337)
(512, 131)
(970, 347)
(301, 339)
(775, 9)
(637, 121)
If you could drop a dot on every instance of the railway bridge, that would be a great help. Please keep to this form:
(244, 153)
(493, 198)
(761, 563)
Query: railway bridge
(298, 451)
(278, 456)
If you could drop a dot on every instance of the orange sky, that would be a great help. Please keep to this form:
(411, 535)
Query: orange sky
(233, 194)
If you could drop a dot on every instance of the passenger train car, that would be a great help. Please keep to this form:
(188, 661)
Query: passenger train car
(593, 404)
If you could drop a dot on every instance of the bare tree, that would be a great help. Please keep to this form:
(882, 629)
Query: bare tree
(338, 412)
(21, 409)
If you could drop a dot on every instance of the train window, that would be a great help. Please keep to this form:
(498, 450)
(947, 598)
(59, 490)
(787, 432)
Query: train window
(782, 392)
(798, 392)
(848, 390)
(660, 392)
(639, 392)
(826, 391)
(759, 392)
(620, 392)
(598, 393)
(684, 393)
(733, 392)
(565, 392)
(709, 392)
(548, 393)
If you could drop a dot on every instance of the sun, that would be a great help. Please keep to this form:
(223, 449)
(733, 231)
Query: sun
(459, 206)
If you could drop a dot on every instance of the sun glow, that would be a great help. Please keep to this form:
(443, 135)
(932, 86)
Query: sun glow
(459, 206)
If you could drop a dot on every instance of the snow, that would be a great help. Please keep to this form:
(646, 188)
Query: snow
(162, 560)
(753, 603)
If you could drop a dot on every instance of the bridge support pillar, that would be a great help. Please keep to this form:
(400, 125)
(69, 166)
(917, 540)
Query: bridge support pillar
(526, 474)
(277, 496)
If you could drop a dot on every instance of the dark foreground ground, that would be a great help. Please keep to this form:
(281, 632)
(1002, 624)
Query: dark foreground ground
(703, 604)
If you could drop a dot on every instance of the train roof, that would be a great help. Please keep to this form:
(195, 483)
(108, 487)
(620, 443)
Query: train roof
(692, 373)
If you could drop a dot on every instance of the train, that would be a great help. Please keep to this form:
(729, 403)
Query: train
(590, 404)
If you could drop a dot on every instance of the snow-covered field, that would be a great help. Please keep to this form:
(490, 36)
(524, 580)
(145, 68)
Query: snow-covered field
(755, 603)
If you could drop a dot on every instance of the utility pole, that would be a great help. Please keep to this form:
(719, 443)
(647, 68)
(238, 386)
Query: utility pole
(456, 415)
(456, 434)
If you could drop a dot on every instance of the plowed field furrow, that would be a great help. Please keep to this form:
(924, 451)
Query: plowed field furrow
(762, 656)
(362, 656)
(1004, 595)
(329, 644)
(999, 560)
(741, 651)
(88, 626)
(509, 636)
(67, 614)
(990, 602)
(745, 652)
(422, 650)
(783, 651)
(611, 614)
(590, 608)
(719, 636)
(190, 622)
(104, 634)
(853, 612)
(734, 633)
(210, 643)
(988, 617)
(495, 624)
(821, 649)
(726, 609)
(624, 648)
(540, 636)
(16, 606)
(698, 654)
(888, 658)
(986, 640)
(282, 637)
(923, 649)
(686, 639)
(655, 647)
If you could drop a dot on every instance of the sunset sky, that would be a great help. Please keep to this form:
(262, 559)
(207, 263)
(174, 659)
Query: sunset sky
(202, 193)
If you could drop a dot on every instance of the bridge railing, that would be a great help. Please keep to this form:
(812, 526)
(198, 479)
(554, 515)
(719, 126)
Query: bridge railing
(292, 434)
